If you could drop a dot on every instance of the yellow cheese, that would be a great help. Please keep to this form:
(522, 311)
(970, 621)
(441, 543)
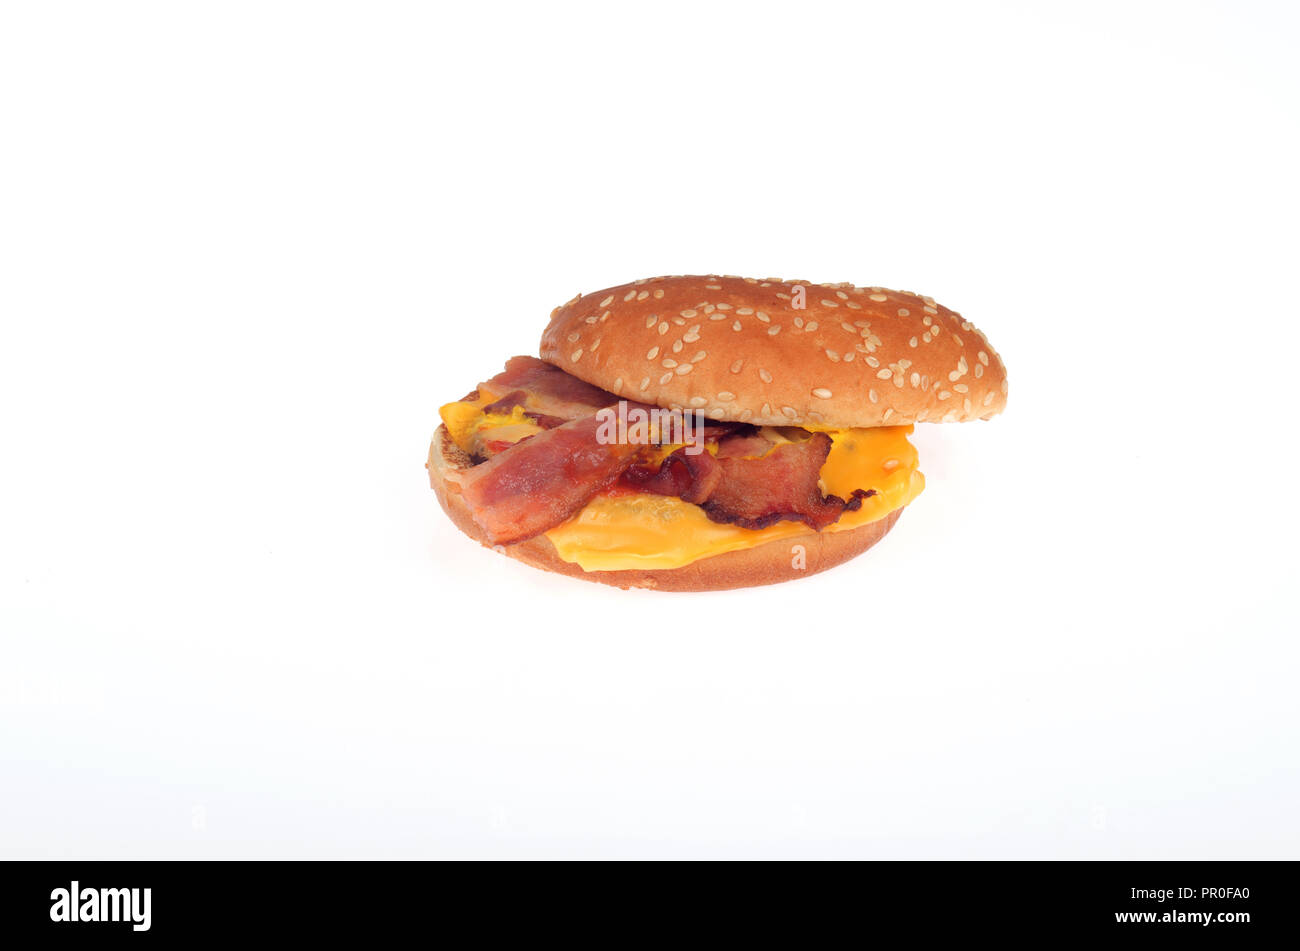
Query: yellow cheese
(620, 531)
(467, 423)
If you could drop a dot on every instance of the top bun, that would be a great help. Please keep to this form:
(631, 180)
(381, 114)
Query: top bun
(784, 353)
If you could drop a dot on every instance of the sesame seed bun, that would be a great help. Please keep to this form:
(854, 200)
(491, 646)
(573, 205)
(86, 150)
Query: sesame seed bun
(742, 349)
(766, 564)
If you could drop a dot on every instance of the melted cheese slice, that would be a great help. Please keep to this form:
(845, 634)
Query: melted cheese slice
(468, 424)
(618, 531)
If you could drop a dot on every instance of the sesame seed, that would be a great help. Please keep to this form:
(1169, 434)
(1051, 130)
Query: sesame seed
(1004, 387)
(963, 366)
(854, 305)
(573, 337)
(698, 401)
(954, 376)
(677, 346)
(889, 465)
(714, 287)
(829, 303)
(962, 388)
(604, 317)
(764, 375)
(789, 411)
(944, 394)
(659, 292)
(888, 413)
(725, 396)
(736, 326)
(680, 321)
(651, 321)
(618, 384)
(663, 327)
(724, 307)
(884, 374)
(848, 357)
(979, 370)
(689, 313)
(629, 296)
(878, 297)
(607, 301)
(652, 353)
(767, 410)
(904, 312)
(929, 310)
(594, 346)
(872, 362)
(926, 337)
(965, 404)
(958, 339)
(691, 338)
(798, 322)
(763, 317)
(718, 316)
(915, 379)
(666, 377)
(645, 383)
(737, 366)
(782, 296)
(983, 357)
(841, 295)
(709, 308)
(744, 311)
(822, 393)
(871, 395)
(773, 330)
(834, 357)
(590, 319)
(912, 342)
(669, 362)
(699, 356)
(927, 321)
(988, 397)
(576, 355)
(849, 327)
(685, 368)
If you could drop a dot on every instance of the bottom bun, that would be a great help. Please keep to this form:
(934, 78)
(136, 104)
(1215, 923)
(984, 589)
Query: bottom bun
(769, 563)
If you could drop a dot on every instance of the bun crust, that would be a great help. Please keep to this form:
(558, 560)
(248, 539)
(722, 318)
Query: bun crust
(767, 564)
(741, 349)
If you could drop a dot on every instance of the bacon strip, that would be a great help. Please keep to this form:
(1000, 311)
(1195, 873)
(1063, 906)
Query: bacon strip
(782, 485)
(690, 478)
(544, 390)
(543, 480)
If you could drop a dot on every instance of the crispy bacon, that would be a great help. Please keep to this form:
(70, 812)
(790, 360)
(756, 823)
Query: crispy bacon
(506, 404)
(531, 485)
(690, 478)
(544, 390)
(742, 487)
(541, 481)
(782, 485)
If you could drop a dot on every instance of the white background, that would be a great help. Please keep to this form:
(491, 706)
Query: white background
(246, 250)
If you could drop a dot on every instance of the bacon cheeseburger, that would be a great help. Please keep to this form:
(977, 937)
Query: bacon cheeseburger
(697, 433)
